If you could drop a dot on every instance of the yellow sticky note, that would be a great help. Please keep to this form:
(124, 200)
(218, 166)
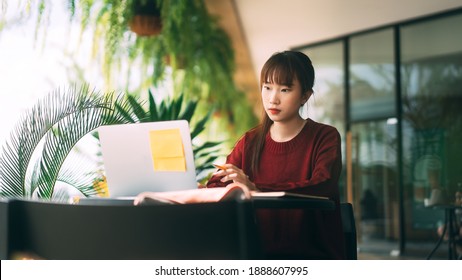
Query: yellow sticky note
(167, 150)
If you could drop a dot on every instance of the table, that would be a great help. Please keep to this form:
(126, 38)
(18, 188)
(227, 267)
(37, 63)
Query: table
(292, 203)
(257, 202)
(117, 230)
(450, 224)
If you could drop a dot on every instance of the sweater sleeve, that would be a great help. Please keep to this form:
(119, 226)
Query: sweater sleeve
(325, 173)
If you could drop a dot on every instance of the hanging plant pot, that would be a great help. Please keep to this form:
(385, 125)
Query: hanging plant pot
(146, 20)
(144, 25)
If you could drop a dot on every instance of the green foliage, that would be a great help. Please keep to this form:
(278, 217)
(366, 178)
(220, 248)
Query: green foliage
(199, 52)
(50, 130)
(174, 109)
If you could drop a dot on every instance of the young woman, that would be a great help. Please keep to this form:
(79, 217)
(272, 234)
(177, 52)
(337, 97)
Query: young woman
(289, 153)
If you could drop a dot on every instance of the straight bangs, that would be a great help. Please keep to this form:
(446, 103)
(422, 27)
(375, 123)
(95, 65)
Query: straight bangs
(279, 70)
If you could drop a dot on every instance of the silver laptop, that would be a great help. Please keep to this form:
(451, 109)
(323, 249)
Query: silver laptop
(155, 156)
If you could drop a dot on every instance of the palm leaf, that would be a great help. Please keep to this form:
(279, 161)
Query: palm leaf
(26, 136)
(60, 120)
(137, 108)
(176, 108)
(164, 109)
(153, 112)
(188, 111)
(125, 113)
(59, 144)
(200, 125)
(81, 181)
(206, 147)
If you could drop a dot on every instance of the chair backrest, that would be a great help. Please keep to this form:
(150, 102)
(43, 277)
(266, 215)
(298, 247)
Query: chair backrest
(349, 230)
(222, 230)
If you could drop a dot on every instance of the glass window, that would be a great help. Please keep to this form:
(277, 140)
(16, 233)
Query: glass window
(431, 71)
(375, 182)
(431, 98)
(372, 76)
(374, 137)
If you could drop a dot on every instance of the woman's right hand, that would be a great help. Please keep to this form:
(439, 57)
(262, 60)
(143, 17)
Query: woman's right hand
(237, 175)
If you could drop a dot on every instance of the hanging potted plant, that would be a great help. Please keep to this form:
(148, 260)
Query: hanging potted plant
(146, 20)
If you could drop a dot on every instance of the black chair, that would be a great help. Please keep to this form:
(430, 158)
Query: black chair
(224, 230)
(349, 230)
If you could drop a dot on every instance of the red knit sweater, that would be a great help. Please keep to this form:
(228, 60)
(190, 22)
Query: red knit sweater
(310, 163)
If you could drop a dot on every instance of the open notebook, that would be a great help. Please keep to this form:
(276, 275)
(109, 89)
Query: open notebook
(284, 194)
(141, 157)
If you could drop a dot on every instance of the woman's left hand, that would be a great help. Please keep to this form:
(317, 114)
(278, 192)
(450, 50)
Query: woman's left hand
(236, 175)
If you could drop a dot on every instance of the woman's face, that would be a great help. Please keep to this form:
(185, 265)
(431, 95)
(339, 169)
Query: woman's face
(282, 102)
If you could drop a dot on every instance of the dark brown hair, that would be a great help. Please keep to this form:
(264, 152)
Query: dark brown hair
(281, 68)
